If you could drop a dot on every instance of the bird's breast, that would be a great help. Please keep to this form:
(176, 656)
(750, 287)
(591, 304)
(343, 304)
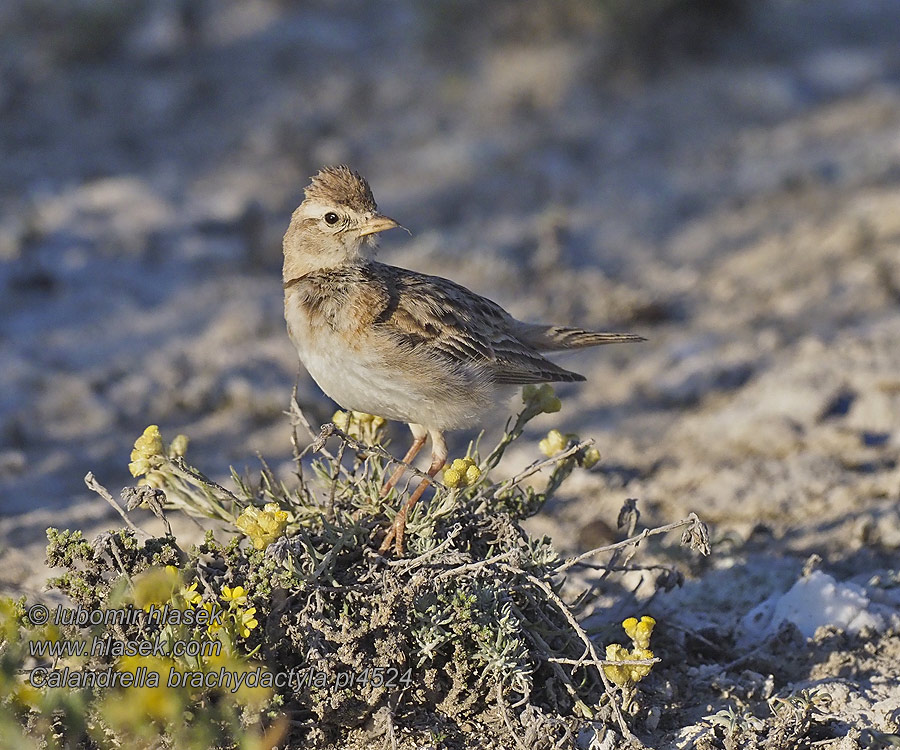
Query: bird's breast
(364, 371)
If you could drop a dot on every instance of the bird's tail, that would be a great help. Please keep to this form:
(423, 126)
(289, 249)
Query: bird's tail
(556, 338)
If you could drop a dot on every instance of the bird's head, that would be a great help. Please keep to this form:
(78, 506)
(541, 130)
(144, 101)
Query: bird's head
(336, 223)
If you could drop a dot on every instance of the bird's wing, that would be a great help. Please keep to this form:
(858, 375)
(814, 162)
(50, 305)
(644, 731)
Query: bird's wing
(438, 318)
(550, 338)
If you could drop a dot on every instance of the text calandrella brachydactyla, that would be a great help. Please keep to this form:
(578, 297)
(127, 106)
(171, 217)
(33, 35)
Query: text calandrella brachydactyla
(296, 679)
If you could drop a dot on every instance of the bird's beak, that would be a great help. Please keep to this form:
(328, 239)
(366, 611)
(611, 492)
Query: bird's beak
(375, 224)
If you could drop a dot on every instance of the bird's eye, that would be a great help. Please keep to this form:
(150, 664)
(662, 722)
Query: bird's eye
(331, 218)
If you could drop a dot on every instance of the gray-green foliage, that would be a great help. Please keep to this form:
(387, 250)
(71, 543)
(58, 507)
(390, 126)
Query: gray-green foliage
(469, 629)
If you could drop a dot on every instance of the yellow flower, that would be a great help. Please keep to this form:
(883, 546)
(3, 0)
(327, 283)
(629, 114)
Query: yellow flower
(190, 594)
(262, 526)
(147, 453)
(625, 674)
(156, 586)
(554, 443)
(272, 520)
(143, 702)
(542, 398)
(139, 467)
(341, 420)
(234, 596)
(617, 673)
(359, 425)
(639, 631)
(178, 447)
(246, 621)
(213, 626)
(591, 457)
(463, 472)
(368, 420)
(452, 478)
(150, 442)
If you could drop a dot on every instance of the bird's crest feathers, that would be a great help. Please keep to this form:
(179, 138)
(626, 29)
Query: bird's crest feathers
(341, 186)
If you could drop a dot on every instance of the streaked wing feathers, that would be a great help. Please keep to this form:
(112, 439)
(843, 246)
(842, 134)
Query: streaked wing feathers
(455, 324)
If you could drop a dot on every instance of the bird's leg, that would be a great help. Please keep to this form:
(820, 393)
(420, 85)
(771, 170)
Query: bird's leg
(420, 435)
(398, 528)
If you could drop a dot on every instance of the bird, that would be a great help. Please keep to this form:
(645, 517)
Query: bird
(400, 344)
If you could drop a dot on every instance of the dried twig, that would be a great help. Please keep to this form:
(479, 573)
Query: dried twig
(535, 637)
(411, 563)
(92, 483)
(588, 643)
(181, 469)
(504, 712)
(528, 471)
(378, 451)
(472, 567)
(601, 662)
(339, 461)
(702, 543)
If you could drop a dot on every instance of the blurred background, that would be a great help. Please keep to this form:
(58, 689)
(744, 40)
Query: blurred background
(721, 176)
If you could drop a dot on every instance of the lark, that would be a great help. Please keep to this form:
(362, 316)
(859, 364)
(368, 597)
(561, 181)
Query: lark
(399, 344)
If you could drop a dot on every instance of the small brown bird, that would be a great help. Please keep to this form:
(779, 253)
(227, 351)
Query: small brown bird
(399, 344)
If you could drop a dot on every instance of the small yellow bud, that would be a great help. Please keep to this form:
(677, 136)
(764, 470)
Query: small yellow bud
(639, 631)
(591, 457)
(147, 453)
(640, 671)
(619, 675)
(262, 526)
(150, 442)
(139, 467)
(178, 447)
(551, 405)
(541, 398)
(360, 425)
(462, 472)
(553, 443)
(452, 478)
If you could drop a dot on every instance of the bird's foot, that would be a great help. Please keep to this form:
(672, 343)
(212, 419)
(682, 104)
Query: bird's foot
(395, 535)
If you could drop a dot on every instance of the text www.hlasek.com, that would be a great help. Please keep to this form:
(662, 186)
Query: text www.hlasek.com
(105, 646)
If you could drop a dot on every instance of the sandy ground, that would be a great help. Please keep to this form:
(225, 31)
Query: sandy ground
(740, 208)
